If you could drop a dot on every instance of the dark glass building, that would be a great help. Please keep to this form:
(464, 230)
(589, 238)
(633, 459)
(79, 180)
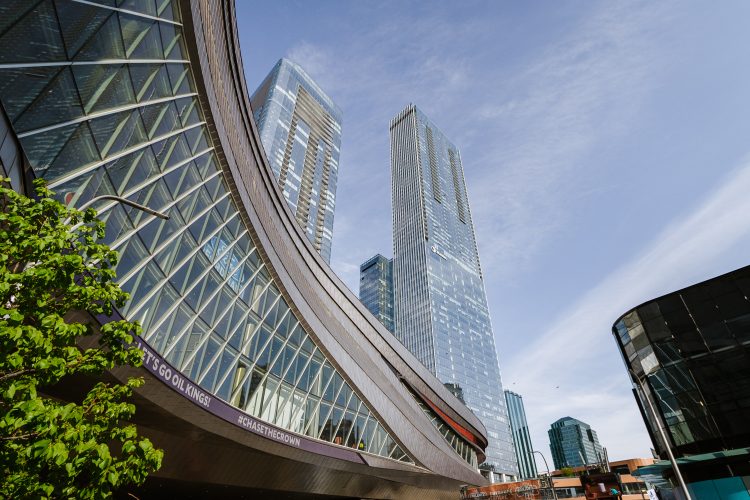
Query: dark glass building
(262, 369)
(574, 443)
(376, 288)
(688, 357)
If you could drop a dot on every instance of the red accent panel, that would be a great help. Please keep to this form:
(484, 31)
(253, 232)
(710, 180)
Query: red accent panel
(454, 425)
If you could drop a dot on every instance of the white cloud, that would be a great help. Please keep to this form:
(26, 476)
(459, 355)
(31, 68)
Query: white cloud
(578, 94)
(577, 352)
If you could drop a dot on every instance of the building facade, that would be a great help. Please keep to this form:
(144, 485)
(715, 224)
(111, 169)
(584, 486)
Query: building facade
(376, 288)
(300, 128)
(441, 308)
(688, 359)
(521, 436)
(262, 369)
(574, 443)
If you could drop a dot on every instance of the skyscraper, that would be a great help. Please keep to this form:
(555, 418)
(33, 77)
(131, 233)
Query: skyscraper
(521, 436)
(574, 443)
(441, 311)
(376, 288)
(300, 128)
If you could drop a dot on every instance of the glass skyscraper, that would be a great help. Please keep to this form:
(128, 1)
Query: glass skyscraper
(574, 443)
(441, 311)
(521, 435)
(300, 128)
(376, 288)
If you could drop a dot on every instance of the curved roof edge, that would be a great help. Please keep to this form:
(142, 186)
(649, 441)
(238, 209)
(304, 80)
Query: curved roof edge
(680, 290)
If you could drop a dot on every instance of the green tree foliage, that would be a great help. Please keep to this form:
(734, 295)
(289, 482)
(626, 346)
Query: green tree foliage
(568, 472)
(51, 266)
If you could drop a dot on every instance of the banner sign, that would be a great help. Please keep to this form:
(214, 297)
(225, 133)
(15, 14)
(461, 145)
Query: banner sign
(178, 382)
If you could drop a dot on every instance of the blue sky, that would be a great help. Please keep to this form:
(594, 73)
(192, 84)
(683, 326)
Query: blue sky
(606, 149)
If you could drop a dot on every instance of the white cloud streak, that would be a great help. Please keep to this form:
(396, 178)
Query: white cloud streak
(577, 351)
(578, 94)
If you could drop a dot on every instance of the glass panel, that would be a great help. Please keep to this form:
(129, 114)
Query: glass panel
(165, 9)
(103, 86)
(324, 423)
(97, 34)
(56, 103)
(311, 416)
(20, 86)
(259, 349)
(59, 151)
(306, 380)
(178, 75)
(208, 366)
(141, 37)
(345, 430)
(270, 398)
(331, 425)
(196, 137)
(333, 388)
(286, 355)
(132, 253)
(116, 132)
(172, 41)
(187, 178)
(144, 7)
(117, 223)
(141, 284)
(224, 371)
(34, 37)
(160, 119)
(370, 435)
(357, 438)
(299, 361)
(165, 299)
(344, 394)
(150, 81)
(188, 110)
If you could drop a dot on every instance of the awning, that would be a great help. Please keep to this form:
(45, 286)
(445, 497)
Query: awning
(657, 468)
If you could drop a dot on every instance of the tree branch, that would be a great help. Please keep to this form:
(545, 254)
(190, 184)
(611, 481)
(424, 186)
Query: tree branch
(17, 373)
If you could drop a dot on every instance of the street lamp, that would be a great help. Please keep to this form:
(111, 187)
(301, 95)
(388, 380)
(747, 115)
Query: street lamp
(124, 201)
(663, 435)
(549, 476)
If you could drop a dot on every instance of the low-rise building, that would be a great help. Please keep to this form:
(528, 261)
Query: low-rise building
(687, 356)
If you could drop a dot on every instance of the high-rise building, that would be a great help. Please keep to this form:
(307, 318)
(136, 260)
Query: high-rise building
(521, 435)
(300, 128)
(441, 311)
(574, 443)
(376, 288)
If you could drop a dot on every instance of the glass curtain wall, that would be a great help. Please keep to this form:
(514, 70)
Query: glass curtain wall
(103, 100)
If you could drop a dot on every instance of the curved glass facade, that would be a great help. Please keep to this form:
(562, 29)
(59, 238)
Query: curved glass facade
(691, 349)
(103, 100)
